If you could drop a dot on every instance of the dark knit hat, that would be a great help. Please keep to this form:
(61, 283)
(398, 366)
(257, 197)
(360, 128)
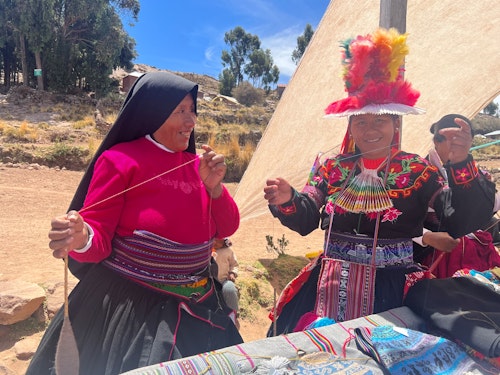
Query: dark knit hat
(448, 121)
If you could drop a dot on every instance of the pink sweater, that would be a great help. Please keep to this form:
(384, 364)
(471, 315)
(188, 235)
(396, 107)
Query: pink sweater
(175, 205)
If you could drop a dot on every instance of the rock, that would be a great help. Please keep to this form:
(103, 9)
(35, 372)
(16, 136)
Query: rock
(18, 300)
(25, 348)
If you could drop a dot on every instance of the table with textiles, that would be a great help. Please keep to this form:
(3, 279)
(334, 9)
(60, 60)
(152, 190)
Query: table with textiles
(390, 342)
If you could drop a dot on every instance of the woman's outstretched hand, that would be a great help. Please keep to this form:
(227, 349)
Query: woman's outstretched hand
(277, 191)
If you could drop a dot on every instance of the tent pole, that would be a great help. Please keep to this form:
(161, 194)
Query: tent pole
(393, 14)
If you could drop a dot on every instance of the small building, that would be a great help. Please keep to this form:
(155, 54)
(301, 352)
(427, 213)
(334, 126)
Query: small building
(280, 88)
(129, 80)
(229, 100)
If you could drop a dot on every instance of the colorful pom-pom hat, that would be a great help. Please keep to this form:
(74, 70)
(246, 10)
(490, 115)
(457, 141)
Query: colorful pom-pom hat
(373, 67)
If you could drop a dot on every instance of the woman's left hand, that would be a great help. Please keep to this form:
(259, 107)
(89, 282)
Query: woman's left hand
(212, 171)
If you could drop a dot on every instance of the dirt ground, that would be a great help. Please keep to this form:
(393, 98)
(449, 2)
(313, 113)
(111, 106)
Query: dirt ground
(29, 198)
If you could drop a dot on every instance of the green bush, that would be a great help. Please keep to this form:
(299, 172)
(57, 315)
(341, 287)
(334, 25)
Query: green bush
(69, 157)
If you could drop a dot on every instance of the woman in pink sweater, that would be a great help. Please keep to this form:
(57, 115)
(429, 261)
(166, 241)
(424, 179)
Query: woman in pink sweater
(139, 235)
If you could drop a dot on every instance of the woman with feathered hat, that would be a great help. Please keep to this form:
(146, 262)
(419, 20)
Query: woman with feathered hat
(372, 198)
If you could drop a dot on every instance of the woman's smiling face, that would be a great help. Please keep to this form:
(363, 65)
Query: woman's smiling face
(177, 128)
(373, 134)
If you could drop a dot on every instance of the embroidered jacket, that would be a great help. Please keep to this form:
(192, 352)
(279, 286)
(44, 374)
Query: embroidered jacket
(412, 184)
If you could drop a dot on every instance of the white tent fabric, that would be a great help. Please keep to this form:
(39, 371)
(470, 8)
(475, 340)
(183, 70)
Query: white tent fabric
(454, 62)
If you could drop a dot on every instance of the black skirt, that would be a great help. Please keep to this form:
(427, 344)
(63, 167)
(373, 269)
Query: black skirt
(120, 326)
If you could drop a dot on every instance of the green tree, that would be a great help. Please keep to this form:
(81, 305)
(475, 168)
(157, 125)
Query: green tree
(226, 82)
(302, 43)
(78, 42)
(36, 28)
(7, 41)
(261, 69)
(242, 45)
(247, 59)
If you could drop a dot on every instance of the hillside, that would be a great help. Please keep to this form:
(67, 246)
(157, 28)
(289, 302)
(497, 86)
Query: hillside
(63, 131)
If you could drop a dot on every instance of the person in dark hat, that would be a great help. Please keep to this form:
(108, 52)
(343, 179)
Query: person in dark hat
(139, 235)
(435, 236)
(441, 145)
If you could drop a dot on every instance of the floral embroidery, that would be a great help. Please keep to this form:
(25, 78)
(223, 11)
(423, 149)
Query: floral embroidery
(329, 207)
(337, 174)
(462, 175)
(391, 215)
(402, 180)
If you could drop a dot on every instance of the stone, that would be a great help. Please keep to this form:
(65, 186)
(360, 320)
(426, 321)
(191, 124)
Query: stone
(25, 348)
(18, 300)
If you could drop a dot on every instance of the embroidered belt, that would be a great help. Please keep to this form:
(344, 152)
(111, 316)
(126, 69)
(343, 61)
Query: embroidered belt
(358, 249)
(158, 261)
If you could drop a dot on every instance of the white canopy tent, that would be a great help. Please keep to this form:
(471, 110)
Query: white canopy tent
(454, 62)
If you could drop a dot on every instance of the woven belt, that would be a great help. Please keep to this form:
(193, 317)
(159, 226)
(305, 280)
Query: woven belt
(155, 260)
(358, 249)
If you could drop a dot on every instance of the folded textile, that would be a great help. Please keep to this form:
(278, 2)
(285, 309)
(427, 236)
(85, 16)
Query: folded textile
(405, 351)
(462, 308)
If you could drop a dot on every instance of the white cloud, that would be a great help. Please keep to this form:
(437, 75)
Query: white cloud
(209, 53)
(282, 45)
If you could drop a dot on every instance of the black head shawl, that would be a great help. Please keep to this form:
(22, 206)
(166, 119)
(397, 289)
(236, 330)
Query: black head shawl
(150, 101)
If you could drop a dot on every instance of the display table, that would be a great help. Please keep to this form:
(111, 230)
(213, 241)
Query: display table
(332, 346)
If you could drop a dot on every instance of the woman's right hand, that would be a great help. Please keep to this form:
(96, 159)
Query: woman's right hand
(67, 232)
(277, 191)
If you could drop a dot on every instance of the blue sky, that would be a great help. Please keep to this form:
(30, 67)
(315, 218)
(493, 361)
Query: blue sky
(188, 35)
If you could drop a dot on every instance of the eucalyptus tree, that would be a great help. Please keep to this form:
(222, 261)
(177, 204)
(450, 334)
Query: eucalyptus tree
(35, 31)
(302, 43)
(89, 43)
(246, 59)
(261, 69)
(242, 45)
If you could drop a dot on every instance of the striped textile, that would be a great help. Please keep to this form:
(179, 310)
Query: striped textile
(345, 290)
(320, 341)
(150, 258)
(208, 363)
